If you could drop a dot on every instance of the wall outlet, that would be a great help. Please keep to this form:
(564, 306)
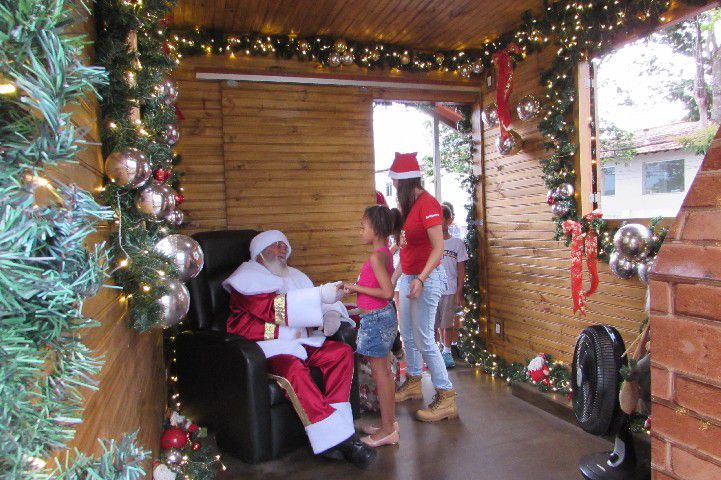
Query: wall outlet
(498, 328)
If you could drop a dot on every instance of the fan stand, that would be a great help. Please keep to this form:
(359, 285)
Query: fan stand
(620, 464)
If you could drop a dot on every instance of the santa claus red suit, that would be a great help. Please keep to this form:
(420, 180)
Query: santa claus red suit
(283, 313)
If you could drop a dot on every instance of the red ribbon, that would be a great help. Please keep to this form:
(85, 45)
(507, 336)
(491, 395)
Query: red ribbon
(178, 113)
(504, 85)
(582, 244)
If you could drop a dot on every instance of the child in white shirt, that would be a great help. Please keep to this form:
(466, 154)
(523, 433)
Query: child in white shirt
(454, 263)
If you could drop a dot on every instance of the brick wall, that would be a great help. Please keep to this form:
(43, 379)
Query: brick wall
(686, 335)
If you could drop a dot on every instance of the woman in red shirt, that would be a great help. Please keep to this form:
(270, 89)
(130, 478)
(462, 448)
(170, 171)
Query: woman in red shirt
(421, 284)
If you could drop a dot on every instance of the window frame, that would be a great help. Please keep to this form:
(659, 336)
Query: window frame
(644, 185)
(603, 182)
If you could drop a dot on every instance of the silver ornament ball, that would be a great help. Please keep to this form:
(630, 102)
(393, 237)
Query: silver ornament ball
(186, 254)
(632, 241)
(621, 266)
(171, 135)
(128, 168)
(168, 92)
(477, 67)
(172, 456)
(511, 145)
(155, 201)
(644, 268)
(489, 116)
(175, 304)
(465, 71)
(175, 217)
(528, 108)
(565, 191)
(334, 59)
(347, 58)
(559, 209)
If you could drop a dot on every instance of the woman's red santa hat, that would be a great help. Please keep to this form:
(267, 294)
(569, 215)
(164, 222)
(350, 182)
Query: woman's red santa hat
(405, 165)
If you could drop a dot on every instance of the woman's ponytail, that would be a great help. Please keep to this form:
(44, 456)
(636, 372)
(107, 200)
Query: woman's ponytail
(396, 224)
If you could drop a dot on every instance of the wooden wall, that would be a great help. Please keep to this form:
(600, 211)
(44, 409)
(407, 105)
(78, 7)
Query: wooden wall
(293, 157)
(131, 394)
(529, 292)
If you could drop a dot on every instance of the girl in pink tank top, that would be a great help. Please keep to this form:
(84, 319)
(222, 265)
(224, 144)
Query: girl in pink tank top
(379, 322)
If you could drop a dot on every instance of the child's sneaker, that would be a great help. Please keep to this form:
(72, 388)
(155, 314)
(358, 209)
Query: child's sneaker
(448, 359)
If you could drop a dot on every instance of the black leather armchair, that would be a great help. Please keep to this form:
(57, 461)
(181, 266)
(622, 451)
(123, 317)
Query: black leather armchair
(222, 378)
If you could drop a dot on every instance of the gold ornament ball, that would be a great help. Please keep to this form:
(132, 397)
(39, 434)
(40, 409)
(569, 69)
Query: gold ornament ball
(405, 59)
(303, 47)
(439, 58)
(340, 46)
(376, 55)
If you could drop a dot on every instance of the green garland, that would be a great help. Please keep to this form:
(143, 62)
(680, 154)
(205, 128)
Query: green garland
(46, 272)
(135, 78)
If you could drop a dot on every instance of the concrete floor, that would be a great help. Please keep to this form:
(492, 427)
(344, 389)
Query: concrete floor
(498, 437)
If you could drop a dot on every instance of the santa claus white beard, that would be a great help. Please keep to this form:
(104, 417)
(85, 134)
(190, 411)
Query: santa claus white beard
(276, 265)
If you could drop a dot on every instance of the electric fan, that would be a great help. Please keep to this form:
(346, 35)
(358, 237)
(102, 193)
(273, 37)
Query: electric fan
(596, 381)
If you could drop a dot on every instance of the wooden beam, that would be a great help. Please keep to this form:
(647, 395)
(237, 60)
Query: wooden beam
(583, 162)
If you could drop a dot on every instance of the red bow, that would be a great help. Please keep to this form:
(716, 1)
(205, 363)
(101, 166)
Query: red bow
(582, 244)
(504, 85)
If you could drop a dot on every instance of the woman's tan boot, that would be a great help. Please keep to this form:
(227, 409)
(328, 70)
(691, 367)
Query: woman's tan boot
(443, 406)
(409, 390)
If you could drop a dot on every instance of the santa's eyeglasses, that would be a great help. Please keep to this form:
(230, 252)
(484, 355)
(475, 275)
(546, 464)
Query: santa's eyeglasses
(279, 244)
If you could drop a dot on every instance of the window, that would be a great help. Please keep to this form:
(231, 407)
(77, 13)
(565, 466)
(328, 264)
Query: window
(609, 181)
(389, 189)
(663, 177)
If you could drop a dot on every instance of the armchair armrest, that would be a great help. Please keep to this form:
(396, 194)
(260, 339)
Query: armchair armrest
(223, 383)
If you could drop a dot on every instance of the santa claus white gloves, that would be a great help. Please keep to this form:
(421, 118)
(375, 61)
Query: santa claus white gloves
(331, 322)
(331, 292)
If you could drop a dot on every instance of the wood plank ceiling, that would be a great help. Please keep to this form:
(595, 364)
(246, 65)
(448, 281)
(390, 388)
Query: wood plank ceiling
(427, 24)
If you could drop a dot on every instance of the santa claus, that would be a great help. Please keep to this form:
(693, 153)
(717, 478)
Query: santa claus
(278, 307)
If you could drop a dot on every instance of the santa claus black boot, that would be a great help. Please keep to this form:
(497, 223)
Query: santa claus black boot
(353, 451)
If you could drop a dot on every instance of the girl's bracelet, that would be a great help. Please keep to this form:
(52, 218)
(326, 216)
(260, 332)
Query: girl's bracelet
(422, 284)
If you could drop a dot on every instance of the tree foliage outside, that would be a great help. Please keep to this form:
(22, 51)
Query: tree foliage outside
(455, 151)
(700, 92)
(617, 145)
(699, 142)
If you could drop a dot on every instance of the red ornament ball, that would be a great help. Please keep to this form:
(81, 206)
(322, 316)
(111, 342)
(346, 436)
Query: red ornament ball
(161, 175)
(193, 428)
(179, 198)
(173, 437)
(195, 446)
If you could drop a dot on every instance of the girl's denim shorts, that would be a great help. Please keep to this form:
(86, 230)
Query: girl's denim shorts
(378, 330)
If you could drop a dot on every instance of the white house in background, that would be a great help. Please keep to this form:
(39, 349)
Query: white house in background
(655, 182)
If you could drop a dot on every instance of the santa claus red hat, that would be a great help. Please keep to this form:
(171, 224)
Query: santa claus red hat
(405, 165)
